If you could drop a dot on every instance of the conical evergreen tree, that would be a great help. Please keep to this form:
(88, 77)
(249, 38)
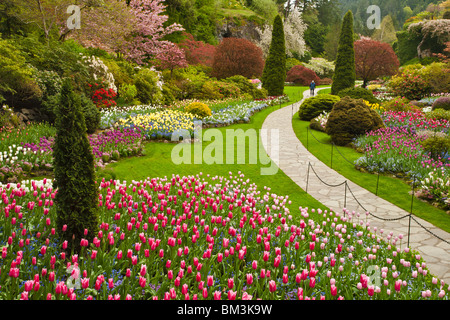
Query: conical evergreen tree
(344, 73)
(77, 197)
(274, 73)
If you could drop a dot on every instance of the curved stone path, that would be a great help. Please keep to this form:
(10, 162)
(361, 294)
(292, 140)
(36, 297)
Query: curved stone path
(293, 159)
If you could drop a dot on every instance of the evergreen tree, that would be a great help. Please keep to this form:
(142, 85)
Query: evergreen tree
(344, 73)
(274, 73)
(77, 197)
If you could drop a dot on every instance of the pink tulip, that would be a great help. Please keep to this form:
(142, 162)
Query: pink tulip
(272, 286)
(333, 290)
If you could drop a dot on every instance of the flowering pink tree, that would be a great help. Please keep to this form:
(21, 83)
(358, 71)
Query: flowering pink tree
(171, 57)
(149, 30)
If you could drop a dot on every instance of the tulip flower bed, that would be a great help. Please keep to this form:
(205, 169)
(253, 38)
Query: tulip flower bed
(160, 124)
(28, 150)
(242, 112)
(398, 149)
(201, 237)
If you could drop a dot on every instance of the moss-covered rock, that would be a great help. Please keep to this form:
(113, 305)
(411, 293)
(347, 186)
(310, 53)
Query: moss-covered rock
(350, 118)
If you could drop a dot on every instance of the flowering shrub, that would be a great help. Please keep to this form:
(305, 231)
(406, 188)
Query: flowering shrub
(103, 98)
(409, 85)
(197, 237)
(198, 109)
(322, 67)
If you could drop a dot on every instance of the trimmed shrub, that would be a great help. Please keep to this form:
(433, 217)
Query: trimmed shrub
(301, 75)
(436, 145)
(344, 72)
(314, 106)
(441, 103)
(198, 109)
(77, 197)
(358, 93)
(438, 114)
(274, 73)
(350, 118)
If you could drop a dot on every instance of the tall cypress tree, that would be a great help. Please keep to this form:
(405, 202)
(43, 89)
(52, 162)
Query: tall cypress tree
(344, 73)
(77, 197)
(274, 73)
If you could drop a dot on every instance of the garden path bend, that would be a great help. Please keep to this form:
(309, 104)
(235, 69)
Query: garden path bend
(293, 158)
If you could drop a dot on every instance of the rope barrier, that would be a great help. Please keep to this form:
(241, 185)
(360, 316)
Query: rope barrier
(409, 215)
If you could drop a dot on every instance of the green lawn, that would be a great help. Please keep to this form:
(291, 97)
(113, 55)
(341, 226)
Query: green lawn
(157, 162)
(387, 183)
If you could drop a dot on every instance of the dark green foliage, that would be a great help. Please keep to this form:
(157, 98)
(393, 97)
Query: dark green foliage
(146, 82)
(344, 73)
(350, 118)
(358, 93)
(436, 145)
(274, 73)
(90, 111)
(77, 197)
(314, 106)
(91, 114)
(441, 103)
(406, 46)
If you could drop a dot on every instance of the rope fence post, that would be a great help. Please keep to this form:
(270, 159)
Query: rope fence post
(378, 181)
(331, 164)
(307, 139)
(410, 212)
(307, 177)
(345, 196)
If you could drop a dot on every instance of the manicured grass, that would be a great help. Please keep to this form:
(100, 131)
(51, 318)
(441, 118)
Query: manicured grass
(324, 91)
(390, 188)
(157, 162)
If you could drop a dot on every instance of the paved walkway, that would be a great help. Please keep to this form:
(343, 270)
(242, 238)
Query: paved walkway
(293, 159)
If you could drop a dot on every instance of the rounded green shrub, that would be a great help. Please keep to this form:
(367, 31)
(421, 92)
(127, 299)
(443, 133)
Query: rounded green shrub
(350, 118)
(438, 114)
(436, 145)
(358, 93)
(198, 109)
(441, 103)
(314, 106)
(148, 86)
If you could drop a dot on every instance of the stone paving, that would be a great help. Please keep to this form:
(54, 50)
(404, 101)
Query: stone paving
(293, 159)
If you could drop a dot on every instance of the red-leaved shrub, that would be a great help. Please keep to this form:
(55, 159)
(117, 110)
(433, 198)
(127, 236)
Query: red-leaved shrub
(237, 57)
(302, 75)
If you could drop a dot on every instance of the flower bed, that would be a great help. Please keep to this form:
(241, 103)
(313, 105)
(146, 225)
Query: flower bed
(242, 112)
(24, 152)
(201, 238)
(160, 124)
(398, 148)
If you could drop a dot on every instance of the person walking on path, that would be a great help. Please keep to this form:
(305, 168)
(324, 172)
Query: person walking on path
(312, 86)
